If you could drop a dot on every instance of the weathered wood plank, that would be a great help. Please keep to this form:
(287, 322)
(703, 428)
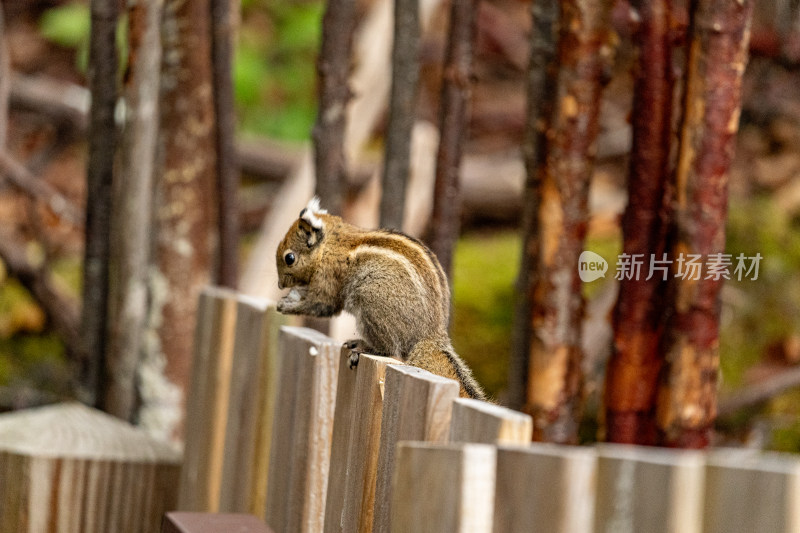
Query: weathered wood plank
(417, 406)
(748, 491)
(70, 468)
(483, 422)
(543, 487)
(183, 522)
(356, 442)
(443, 488)
(251, 407)
(346, 402)
(649, 489)
(207, 403)
(301, 443)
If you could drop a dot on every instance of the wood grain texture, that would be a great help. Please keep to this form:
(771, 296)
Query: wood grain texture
(748, 491)
(649, 489)
(418, 406)
(303, 427)
(69, 468)
(443, 488)
(207, 404)
(182, 522)
(544, 487)
(483, 422)
(254, 382)
(356, 442)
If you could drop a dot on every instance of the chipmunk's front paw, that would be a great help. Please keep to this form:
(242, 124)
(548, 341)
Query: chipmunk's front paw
(356, 347)
(291, 303)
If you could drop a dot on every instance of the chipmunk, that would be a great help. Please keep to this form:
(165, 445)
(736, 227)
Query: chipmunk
(392, 283)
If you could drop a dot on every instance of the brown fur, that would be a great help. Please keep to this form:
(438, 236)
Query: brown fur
(391, 283)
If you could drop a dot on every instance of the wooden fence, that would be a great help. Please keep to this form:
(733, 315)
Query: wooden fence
(390, 448)
(278, 426)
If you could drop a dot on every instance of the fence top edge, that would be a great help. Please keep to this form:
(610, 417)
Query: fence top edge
(754, 460)
(378, 358)
(446, 446)
(74, 431)
(549, 450)
(491, 408)
(420, 374)
(309, 335)
(650, 454)
(215, 291)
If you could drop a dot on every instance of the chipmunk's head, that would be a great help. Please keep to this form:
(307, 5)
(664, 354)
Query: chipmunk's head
(299, 251)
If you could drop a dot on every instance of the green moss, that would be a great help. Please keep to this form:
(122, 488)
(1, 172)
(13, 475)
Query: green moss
(759, 312)
(274, 71)
(35, 361)
(31, 355)
(18, 311)
(67, 25)
(485, 270)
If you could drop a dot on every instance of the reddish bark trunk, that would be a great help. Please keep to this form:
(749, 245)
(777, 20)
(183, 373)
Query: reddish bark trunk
(555, 377)
(717, 57)
(633, 370)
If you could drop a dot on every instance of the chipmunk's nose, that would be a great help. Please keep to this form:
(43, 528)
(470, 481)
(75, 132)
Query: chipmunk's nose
(280, 283)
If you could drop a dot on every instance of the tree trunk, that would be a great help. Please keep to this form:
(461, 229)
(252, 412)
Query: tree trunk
(402, 112)
(633, 370)
(333, 71)
(185, 215)
(133, 210)
(102, 140)
(717, 57)
(555, 377)
(541, 90)
(222, 21)
(453, 124)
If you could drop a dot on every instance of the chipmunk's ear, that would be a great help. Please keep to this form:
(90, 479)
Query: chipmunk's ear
(311, 224)
(311, 212)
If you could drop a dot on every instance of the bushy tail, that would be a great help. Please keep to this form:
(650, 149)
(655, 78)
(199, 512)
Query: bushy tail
(438, 357)
(468, 383)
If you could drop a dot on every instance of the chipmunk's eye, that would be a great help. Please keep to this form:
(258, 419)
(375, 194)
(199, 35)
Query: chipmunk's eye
(289, 258)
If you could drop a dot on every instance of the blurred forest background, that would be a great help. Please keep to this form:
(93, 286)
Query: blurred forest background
(277, 41)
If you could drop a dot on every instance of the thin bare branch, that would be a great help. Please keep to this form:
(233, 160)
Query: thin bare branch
(453, 123)
(99, 177)
(60, 100)
(131, 222)
(222, 17)
(760, 392)
(38, 189)
(541, 92)
(333, 70)
(61, 310)
(402, 112)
